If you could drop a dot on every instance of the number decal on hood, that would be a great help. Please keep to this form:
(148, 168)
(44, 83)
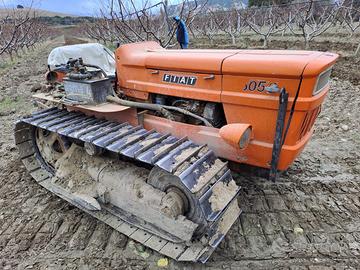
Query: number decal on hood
(261, 86)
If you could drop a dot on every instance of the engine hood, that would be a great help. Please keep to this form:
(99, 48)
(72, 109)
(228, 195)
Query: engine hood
(256, 63)
(269, 63)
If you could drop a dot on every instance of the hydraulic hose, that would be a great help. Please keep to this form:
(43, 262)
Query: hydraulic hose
(164, 109)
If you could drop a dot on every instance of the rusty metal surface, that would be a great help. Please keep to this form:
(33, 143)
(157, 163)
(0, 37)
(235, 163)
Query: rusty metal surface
(139, 144)
(104, 107)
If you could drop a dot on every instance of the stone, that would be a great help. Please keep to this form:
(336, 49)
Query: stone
(35, 87)
(345, 127)
(298, 230)
(163, 262)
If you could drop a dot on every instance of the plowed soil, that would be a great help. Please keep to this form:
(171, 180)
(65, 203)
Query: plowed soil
(309, 219)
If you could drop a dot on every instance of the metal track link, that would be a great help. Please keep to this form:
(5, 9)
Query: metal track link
(196, 166)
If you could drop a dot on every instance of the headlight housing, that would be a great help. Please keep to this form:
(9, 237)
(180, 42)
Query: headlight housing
(322, 81)
(237, 134)
(245, 138)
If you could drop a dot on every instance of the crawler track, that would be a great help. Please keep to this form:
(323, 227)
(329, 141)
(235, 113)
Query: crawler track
(198, 169)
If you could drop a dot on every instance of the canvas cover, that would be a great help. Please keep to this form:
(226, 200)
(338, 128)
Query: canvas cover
(92, 53)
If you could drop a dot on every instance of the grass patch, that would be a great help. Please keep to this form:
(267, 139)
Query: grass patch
(8, 104)
(6, 63)
(111, 46)
(355, 136)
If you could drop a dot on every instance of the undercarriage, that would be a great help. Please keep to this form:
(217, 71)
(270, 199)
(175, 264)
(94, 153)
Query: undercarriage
(168, 193)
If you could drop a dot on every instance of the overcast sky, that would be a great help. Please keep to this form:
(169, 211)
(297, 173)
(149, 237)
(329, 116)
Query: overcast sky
(75, 7)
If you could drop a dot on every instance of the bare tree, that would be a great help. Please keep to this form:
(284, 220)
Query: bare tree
(312, 18)
(265, 22)
(130, 21)
(228, 22)
(10, 27)
(206, 26)
(20, 30)
(351, 16)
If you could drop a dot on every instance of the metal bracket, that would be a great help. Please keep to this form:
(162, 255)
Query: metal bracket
(210, 77)
(280, 122)
(140, 117)
(273, 88)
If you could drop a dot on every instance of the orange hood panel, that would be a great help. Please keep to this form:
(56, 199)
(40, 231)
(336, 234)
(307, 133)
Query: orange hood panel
(255, 63)
(194, 61)
(151, 55)
(269, 63)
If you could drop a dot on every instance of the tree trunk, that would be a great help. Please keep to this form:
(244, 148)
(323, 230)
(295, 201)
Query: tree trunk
(211, 40)
(357, 52)
(307, 44)
(233, 39)
(192, 33)
(238, 23)
(265, 43)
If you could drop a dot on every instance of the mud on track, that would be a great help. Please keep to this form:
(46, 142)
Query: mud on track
(308, 220)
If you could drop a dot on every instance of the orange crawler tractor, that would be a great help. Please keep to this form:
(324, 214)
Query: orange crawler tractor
(144, 151)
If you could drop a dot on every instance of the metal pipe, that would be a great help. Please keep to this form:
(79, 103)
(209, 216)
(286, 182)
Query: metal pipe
(145, 106)
(164, 109)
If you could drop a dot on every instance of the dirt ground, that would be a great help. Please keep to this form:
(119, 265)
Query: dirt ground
(309, 219)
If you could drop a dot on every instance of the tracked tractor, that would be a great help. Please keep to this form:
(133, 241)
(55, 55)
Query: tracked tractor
(147, 150)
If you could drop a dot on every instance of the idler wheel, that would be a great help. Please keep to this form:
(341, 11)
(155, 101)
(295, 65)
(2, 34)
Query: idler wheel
(174, 203)
(179, 200)
(50, 146)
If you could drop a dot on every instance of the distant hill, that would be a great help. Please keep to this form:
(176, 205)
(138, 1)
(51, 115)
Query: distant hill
(39, 12)
(221, 4)
(58, 20)
(49, 17)
(212, 4)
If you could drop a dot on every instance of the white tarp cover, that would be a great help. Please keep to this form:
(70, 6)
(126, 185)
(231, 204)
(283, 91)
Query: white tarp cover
(91, 53)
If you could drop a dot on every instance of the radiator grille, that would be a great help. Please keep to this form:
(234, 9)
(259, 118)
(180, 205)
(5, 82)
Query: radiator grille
(309, 121)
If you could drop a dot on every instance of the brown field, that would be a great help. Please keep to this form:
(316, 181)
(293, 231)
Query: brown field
(309, 219)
